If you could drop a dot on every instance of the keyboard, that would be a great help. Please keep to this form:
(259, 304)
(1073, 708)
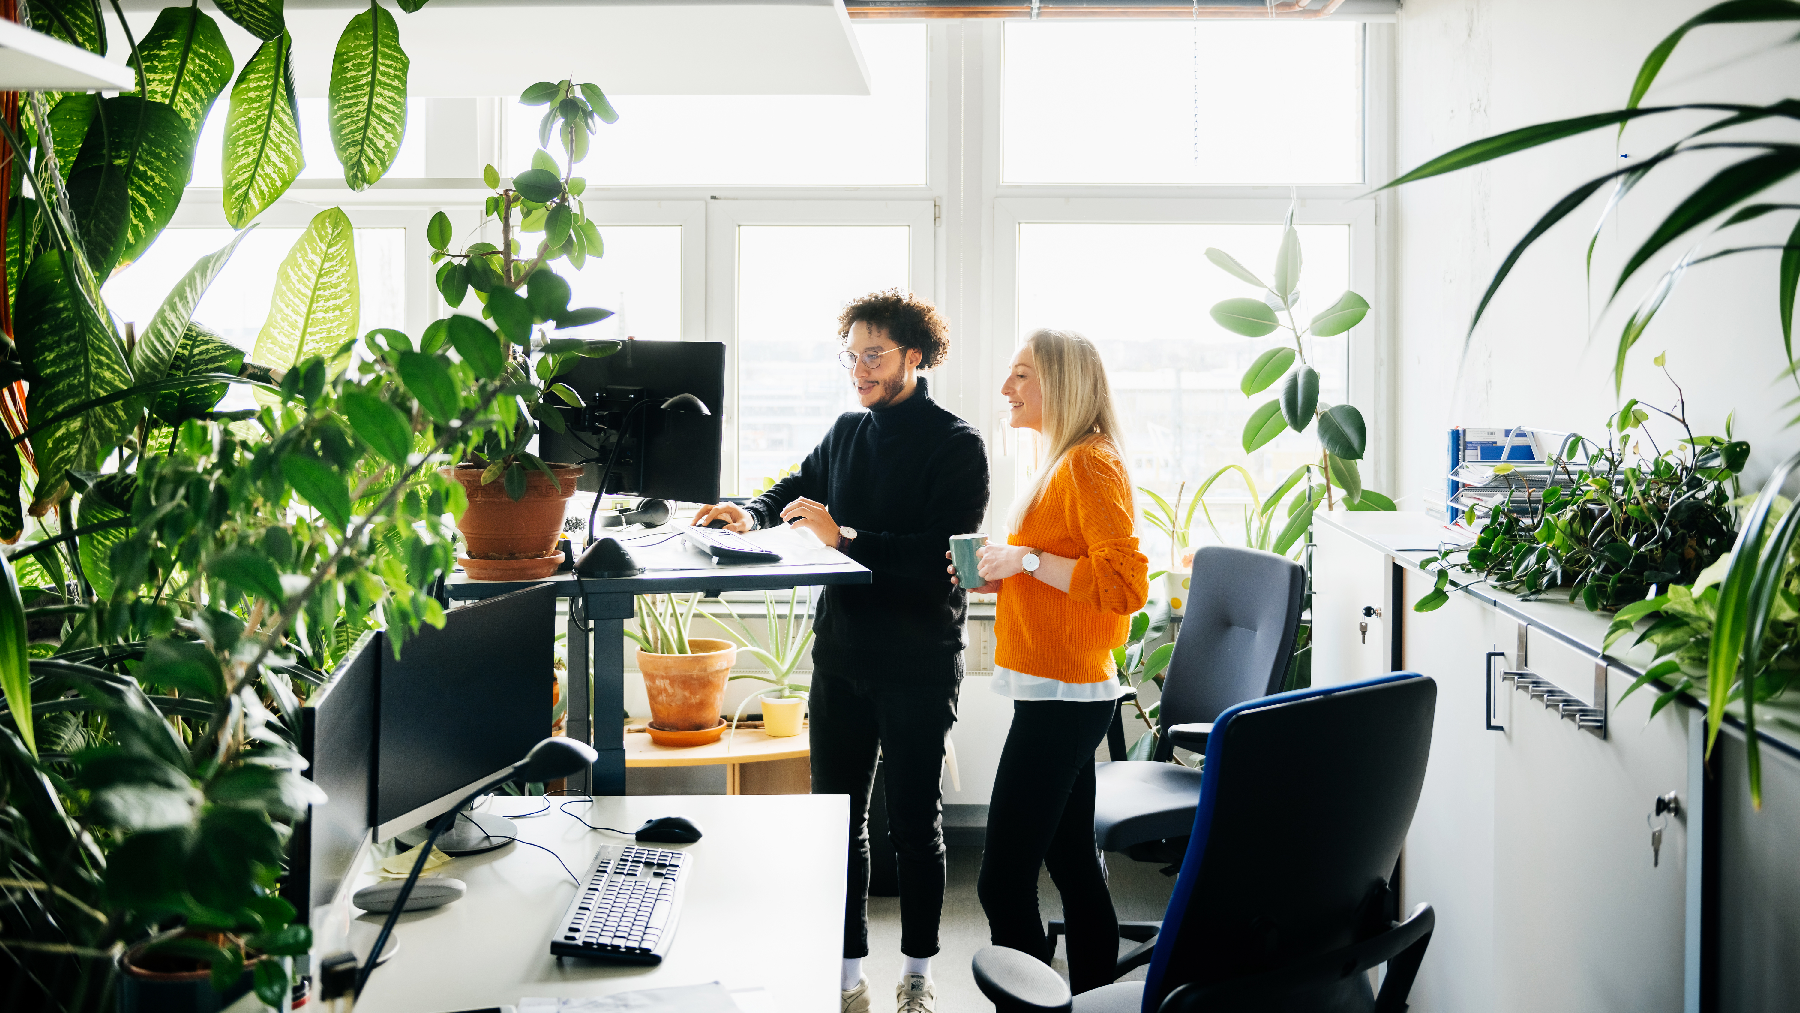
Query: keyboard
(626, 908)
(728, 546)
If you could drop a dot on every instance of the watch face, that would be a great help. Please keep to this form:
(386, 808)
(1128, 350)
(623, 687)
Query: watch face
(1030, 562)
(846, 531)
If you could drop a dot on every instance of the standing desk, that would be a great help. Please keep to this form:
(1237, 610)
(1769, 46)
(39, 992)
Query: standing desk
(764, 909)
(596, 636)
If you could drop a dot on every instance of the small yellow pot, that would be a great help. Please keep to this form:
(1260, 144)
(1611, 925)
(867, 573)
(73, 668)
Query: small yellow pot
(782, 715)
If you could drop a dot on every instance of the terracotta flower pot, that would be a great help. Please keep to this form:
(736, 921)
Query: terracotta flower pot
(161, 983)
(686, 690)
(518, 537)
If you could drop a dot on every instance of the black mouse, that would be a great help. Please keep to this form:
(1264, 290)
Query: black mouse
(716, 522)
(669, 830)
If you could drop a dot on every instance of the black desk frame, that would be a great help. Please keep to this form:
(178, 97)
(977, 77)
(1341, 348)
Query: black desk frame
(598, 610)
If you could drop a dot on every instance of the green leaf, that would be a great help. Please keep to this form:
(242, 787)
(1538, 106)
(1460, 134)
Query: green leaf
(1347, 476)
(538, 185)
(186, 63)
(515, 478)
(1342, 432)
(200, 352)
(261, 18)
(541, 94)
(1297, 524)
(1642, 314)
(1372, 500)
(1500, 145)
(77, 22)
(453, 282)
(1731, 12)
(15, 662)
(1268, 367)
(583, 317)
(567, 393)
(438, 231)
(190, 666)
(1300, 397)
(541, 159)
(491, 176)
(107, 500)
(556, 226)
(270, 979)
(69, 121)
(1229, 264)
(1435, 599)
(157, 343)
(1790, 280)
(1265, 424)
(75, 358)
(1158, 660)
(1728, 187)
(1143, 747)
(368, 96)
(316, 303)
(320, 486)
(435, 335)
(262, 132)
(248, 570)
(549, 295)
(378, 424)
(597, 99)
(427, 378)
(1340, 316)
(146, 146)
(12, 512)
(1250, 317)
(512, 315)
(478, 345)
(1287, 265)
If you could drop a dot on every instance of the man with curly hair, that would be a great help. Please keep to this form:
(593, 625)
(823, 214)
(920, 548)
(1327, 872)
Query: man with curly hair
(888, 486)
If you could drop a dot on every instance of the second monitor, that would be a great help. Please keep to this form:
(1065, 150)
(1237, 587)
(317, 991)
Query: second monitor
(663, 453)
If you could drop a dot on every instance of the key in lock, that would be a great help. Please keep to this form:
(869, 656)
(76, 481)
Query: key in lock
(1364, 629)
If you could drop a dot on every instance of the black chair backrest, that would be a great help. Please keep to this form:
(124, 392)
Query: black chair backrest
(1305, 803)
(1237, 638)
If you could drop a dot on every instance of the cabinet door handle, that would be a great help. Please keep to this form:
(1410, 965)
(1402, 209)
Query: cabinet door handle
(1487, 678)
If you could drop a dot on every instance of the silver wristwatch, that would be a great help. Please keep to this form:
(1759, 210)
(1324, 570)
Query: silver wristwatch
(1031, 561)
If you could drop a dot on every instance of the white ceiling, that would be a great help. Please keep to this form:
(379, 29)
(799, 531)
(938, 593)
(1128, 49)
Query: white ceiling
(469, 48)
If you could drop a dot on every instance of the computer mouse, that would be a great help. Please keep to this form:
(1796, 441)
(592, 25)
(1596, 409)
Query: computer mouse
(669, 830)
(717, 522)
(607, 557)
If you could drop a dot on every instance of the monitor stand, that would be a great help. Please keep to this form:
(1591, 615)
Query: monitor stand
(472, 834)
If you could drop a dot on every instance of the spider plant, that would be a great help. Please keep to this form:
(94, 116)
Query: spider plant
(663, 622)
(785, 640)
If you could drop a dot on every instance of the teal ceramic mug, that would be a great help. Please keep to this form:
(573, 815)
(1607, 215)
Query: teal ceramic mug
(962, 556)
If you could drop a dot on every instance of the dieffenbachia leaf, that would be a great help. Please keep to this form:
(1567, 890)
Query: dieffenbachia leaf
(69, 120)
(316, 302)
(262, 133)
(261, 18)
(108, 500)
(15, 659)
(145, 147)
(200, 352)
(368, 97)
(73, 21)
(12, 477)
(186, 63)
(157, 345)
(73, 358)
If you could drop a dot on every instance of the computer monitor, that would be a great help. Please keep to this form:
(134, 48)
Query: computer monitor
(666, 454)
(337, 738)
(458, 707)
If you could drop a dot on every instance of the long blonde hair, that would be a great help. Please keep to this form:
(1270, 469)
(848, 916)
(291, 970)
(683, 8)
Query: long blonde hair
(1078, 405)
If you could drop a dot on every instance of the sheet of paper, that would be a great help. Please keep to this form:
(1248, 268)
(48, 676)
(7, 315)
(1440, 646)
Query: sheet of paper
(708, 998)
(666, 549)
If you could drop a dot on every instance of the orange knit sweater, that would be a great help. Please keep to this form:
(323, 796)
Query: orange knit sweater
(1085, 515)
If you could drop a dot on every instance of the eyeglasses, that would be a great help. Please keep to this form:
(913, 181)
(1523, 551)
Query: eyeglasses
(870, 360)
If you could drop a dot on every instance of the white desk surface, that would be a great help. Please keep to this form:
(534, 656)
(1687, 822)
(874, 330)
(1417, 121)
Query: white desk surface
(764, 909)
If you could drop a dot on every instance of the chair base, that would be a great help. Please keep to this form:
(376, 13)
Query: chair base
(1142, 933)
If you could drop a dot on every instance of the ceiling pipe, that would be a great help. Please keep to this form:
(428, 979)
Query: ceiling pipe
(1282, 10)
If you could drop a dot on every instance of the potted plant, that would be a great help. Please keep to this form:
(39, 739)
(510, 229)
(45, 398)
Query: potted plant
(1174, 524)
(516, 500)
(783, 644)
(684, 676)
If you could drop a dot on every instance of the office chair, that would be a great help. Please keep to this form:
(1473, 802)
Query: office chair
(1236, 644)
(1284, 897)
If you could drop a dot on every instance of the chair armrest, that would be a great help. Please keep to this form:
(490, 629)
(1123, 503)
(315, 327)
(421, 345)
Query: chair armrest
(1016, 982)
(1191, 736)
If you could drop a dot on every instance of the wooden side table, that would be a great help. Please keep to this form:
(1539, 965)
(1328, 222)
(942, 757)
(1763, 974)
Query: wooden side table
(755, 763)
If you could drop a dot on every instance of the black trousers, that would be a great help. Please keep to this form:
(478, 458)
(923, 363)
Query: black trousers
(906, 720)
(1042, 814)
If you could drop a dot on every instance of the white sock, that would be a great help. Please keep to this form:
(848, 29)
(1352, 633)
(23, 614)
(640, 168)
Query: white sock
(915, 965)
(852, 972)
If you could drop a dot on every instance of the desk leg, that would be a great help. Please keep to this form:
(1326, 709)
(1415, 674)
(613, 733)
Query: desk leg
(733, 778)
(606, 617)
(581, 705)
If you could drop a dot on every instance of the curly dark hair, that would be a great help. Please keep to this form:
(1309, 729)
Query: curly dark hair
(910, 321)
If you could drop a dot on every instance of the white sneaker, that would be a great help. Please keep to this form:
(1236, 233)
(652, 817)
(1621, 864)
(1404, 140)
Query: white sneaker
(915, 995)
(856, 1000)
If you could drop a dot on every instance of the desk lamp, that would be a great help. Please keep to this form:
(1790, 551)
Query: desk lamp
(552, 758)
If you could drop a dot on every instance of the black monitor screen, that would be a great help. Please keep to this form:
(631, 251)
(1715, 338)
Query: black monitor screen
(337, 738)
(667, 454)
(462, 704)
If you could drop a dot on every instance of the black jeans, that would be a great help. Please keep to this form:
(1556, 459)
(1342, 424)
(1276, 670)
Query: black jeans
(907, 720)
(1042, 814)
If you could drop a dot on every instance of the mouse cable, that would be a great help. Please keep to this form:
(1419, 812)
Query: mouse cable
(515, 840)
(565, 808)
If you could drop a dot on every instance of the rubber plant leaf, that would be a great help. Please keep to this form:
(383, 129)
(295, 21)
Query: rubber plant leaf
(1287, 265)
(315, 305)
(1264, 424)
(1229, 264)
(1250, 317)
(73, 358)
(262, 133)
(1268, 367)
(368, 96)
(1300, 398)
(1342, 432)
(146, 148)
(185, 64)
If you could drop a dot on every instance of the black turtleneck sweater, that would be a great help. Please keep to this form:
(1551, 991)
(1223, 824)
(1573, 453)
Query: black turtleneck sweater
(906, 477)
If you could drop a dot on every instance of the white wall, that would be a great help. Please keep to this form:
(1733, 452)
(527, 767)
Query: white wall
(1471, 68)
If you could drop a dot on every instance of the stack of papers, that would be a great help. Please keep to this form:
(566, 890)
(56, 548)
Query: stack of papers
(709, 998)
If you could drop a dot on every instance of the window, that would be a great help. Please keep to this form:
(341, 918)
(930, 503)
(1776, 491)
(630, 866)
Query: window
(315, 142)
(638, 278)
(765, 140)
(792, 282)
(1168, 102)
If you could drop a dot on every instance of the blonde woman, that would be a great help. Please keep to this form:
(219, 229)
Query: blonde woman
(1069, 578)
